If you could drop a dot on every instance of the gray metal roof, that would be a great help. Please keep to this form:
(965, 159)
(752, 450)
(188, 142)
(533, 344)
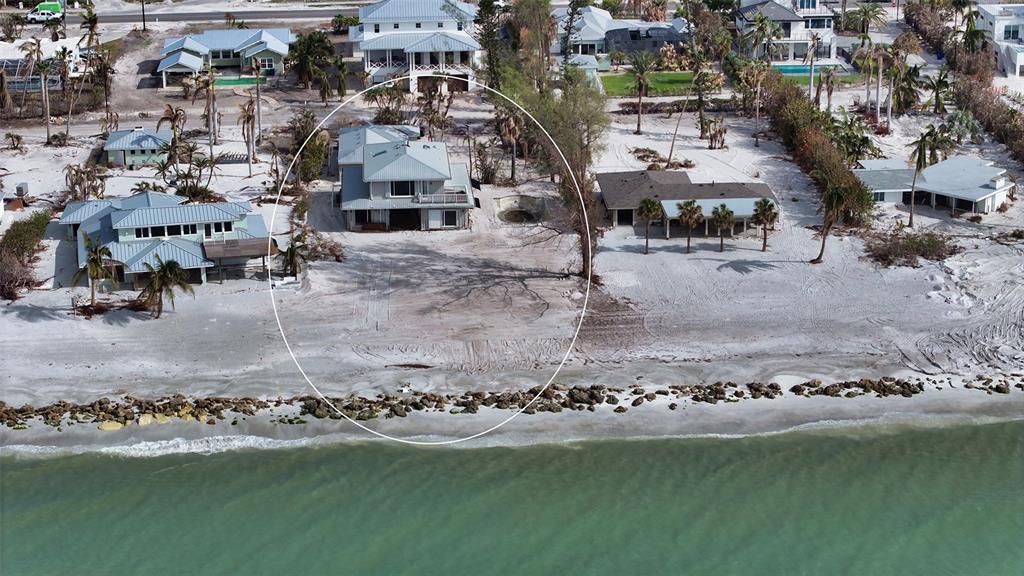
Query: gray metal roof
(585, 61)
(234, 39)
(352, 139)
(186, 214)
(355, 193)
(138, 139)
(411, 10)
(625, 190)
(183, 43)
(411, 160)
(886, 180)
(135, 255)
(883, 164)
(182, 60)
(772, 10)
(422, 42)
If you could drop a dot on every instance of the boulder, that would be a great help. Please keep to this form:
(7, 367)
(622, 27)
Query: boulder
(110, 425)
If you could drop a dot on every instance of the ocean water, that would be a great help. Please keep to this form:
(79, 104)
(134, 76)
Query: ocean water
(859, 501)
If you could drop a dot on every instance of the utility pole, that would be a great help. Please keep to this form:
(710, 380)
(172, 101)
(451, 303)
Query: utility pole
(143, 2)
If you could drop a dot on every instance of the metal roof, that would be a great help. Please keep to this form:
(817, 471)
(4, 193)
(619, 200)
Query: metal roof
(585, 61)
(355, 192)
(263, 40)
(594, 23)
(411, 10)
(234, 39)
(886, 179)
(135, 255)
(138, 139)
(965, 177)
(883, 164)
(186, 214)
(625, 190)
(184, 43)
(77, 212)
(411, 160)
(183, 59)
(352, 139)
(422, 42)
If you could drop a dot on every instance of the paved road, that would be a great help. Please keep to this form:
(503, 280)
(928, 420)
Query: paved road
(218, 16)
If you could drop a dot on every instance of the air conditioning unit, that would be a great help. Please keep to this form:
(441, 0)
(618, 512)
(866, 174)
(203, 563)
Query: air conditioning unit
(21, 190)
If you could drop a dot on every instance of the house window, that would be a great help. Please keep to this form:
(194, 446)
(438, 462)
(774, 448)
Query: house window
(396, 25)
(188, 229)
(142, 232)
(819, 23)
(878, 196)
(808, 4)
(376, 28)
(208, 230)
(450, 218)
(404, 188)
(419, 25)
(459, 26)
(174, 230)
(266, 63)
(440, 24)
(218, 227)
(227, 226)
(1011, 32)
(157, 231)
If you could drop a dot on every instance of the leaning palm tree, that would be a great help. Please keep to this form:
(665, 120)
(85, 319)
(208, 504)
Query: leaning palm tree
(830, 87)
(723, 218)
(868, 15)
(293, 256)
(919, 158)
(649, 210)
(6, 102)
(812, 49)
(866, 57)
(643, 66)
(765, 215)
(164, 279)
(98, 261)
(690, 215)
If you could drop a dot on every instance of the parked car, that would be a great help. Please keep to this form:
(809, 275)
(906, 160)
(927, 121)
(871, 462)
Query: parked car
(38, 16)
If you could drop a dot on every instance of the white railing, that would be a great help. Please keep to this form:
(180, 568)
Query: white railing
(443, 198)
(805, 34)
(439, 67)
(384, 64)
(819, 11)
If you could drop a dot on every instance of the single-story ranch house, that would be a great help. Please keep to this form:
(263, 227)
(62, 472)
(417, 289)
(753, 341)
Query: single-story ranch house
(136, 147)
(139, 228)
(226, 49)
(622, 193)
(598, 34)
(961, 183)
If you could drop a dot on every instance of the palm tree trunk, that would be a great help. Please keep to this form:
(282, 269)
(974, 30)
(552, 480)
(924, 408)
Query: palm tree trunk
(867, 88)
(764, 244)
(647, 237)
(721, 239)
(45, 96)
(878, 93)
(92, 288)
(826, 228)
(639, 109)
(689, 233)
(810, 79)
(672, 146)
(888, 105)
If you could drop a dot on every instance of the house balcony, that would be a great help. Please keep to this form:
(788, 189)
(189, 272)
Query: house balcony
(821, 10)
(825, 35)
(442, 67)
(449, 197)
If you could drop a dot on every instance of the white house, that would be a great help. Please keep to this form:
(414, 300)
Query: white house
(961, 183)
(418, 38)
(13, 61)
(391, 179)
(596, 33)
(799, 21)
(1005, 26)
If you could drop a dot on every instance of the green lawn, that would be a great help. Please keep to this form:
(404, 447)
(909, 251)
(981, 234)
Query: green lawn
(845, 79)
(662, 84)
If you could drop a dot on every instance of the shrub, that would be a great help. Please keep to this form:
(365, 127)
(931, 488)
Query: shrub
(900, 247)
(23, 237)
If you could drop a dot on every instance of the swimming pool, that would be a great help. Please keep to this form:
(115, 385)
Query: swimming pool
(240, 81)
(805, 69)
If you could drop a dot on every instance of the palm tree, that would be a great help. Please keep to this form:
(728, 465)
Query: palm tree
(723, 218)
(6, 102)
(649, 209)
(866, 55)
(164, 280)
(342, 67)
(867, 15)
(830, 86)
(919, 158)
(308, 55)
(643, 66)
(764, 31)
(326, 92)
(812, 48)
(208, 83)
(690, 215)
(293, 256)
(175, 117)
(247, 119)
(756, 72)
(960, 7)
(43, 69)
(972, 37)
(765, 215)
(938, 85)
(98, 260)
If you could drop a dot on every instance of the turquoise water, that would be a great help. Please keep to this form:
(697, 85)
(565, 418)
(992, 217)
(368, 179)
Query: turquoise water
(860, 501)
(803, 69)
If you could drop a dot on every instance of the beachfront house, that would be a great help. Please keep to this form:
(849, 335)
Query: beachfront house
(622, 192)
(417, 38)
(14, 62)
(960, 183)
(227, 51)
(798, 21)
(596, 33)
(138, 228)
(392, 179)
(1005, 26)
(136, 147)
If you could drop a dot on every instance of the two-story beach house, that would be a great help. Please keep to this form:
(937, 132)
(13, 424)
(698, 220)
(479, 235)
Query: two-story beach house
(391, 179)
(417, 38)
(234, 49)
(596, 33)
(1005, 26)
(139, 228)
(799, 20)
(136, 147)
(960, 183)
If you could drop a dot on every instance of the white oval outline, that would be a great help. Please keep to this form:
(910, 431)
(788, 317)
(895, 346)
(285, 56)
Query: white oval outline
(586, 295)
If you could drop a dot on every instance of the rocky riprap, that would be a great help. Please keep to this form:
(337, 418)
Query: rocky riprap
(110, 414)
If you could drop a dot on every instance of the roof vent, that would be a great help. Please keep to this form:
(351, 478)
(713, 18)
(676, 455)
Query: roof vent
(137, 129)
